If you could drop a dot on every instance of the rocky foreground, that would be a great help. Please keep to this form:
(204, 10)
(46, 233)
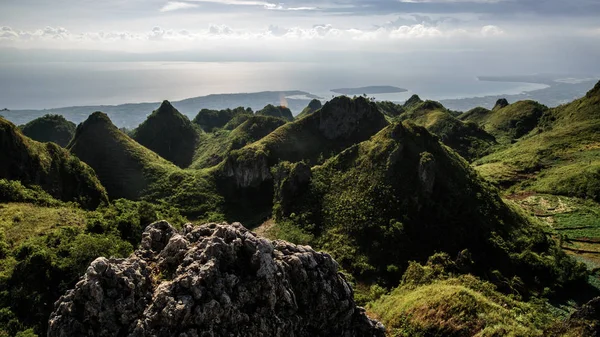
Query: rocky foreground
(212, 280)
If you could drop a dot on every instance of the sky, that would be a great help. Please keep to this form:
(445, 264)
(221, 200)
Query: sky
(512, 36)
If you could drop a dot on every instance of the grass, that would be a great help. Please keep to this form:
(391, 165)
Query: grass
(21, 221)
(462, 306)
(561, 155)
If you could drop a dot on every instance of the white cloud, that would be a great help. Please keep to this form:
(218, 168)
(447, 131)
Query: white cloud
(491, 30)
(176, 5)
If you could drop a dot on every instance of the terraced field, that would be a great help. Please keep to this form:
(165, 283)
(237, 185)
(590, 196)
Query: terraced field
(574, 222)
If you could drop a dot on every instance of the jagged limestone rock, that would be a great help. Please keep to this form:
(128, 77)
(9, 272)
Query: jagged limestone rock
(212, 280)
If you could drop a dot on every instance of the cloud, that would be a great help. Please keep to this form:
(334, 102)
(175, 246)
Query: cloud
(491, 30)
(176, 5)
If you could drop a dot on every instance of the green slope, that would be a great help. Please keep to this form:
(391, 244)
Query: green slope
(560, 156)
(129, 170)
(276, 111)
(402, 196)
(170, 134)
(467, 139)
(313, 106)
(48, 165)
(507, 122)
(50, 128)
(214, 147)
(209, 120)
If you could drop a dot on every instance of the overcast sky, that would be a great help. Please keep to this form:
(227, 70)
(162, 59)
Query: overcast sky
(548, 35)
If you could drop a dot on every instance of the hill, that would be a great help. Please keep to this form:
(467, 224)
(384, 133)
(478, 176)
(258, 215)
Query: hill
(401, 196)
(48, 165)
(170, 134)
(276, 111)
(341, 122)
(50, 128)
(507, 122)
(214, 147)
(244, 178)
(313, 106)
(209, 120)
(559, 156)
(129, 170)
(467, 139)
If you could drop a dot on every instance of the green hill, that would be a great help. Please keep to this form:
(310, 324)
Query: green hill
(313, 106)
(124, 167)
(561, 155)
(209, 120)
(170, 134)
(214, 147)
(507, 122)
(401, 196)
(129, 170)
(50, 128)
(467, 139)
(341, 122)
(277, 111)
(48, 165)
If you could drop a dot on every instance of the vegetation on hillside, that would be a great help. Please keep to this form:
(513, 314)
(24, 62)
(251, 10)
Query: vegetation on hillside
(50, 128)
(401, 196)
(45, 245)
(49, 166)
(170, 134)
(214, 147)
(276, 111)
(209, 120)
(313, 106)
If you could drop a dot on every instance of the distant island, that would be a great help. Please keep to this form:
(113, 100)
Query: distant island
(381, 89)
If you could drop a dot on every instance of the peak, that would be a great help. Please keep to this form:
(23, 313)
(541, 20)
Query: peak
(98, 117)
(315, 104)
(595, 92)
(501, 103)
(166, 107)
(412, 101)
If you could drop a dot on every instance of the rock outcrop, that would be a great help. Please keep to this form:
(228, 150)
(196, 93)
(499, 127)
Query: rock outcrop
(212, 280)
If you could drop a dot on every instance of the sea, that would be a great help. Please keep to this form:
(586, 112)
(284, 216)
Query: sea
(45, 85)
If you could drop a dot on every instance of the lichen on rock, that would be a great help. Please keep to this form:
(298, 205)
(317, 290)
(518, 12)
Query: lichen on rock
(212, 280)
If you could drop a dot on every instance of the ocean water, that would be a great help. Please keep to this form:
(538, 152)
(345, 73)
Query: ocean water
(56, 84)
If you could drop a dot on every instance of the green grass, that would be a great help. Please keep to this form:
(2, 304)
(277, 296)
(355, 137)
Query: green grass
(560, 156)
(450, 305)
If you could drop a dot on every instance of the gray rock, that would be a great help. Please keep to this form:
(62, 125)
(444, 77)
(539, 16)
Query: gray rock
(212, 280)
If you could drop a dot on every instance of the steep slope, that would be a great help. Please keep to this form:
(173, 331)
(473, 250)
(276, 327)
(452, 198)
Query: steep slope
(214, 147)
(313, 106)
(467, 139)
(277, 111)
(48, 165)
(244, 178)
(401, 196)
(560, 156)
(209, 120)
(129, 170)
(170, 134)
(507, 122)
(217, 280)
(341, 122)
(50, 128)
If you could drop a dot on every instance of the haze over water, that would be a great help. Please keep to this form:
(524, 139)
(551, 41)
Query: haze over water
(39, 85)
